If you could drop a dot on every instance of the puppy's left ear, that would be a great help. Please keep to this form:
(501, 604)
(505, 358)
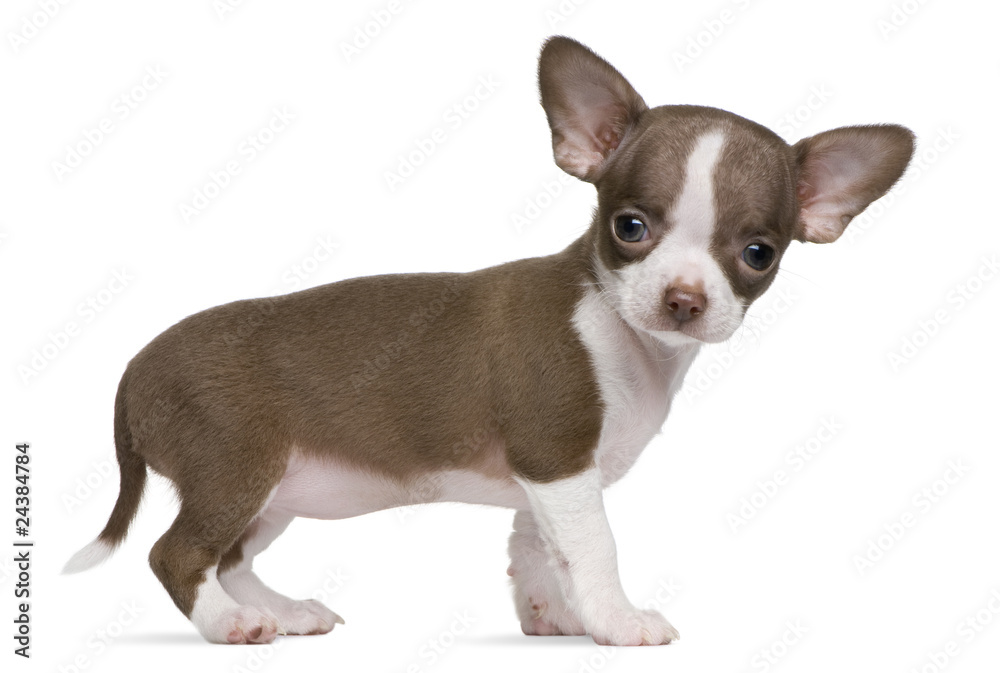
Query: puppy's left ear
(842, 171)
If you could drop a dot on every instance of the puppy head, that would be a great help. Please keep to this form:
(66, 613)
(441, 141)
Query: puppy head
(697, 205)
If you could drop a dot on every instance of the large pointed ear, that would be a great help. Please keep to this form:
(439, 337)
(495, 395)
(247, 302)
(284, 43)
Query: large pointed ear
(590, 106)
(842, 171)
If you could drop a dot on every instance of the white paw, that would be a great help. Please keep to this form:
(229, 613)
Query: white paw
(242, 625)
(634, 627)
(548, 619)
(306, 618)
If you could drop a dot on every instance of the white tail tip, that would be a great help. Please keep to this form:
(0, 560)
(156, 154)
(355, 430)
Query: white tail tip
(93, 554)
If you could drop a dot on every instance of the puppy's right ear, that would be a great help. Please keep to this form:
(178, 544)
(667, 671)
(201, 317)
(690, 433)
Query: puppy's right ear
(590, 106)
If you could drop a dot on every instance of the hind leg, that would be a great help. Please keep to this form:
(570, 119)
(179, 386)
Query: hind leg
(236, 575)
(538, 594)
(218, 504)
(186, 561)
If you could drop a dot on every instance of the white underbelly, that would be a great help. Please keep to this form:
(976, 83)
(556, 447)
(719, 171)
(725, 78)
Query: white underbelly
(326, 489)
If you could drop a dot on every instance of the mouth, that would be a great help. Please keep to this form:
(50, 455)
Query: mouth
(675, 338)
(688, 332)
(682, 338)
(675, 335)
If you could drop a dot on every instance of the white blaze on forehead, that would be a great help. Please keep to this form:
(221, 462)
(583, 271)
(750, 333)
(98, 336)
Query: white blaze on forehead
(693, 214)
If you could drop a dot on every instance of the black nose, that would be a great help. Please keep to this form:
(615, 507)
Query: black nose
(684, 302)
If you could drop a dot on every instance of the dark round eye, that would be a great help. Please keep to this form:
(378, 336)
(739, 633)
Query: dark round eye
(630, 229)
(758, 256)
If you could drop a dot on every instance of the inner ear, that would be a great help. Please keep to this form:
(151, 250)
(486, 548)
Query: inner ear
(589, 105)
(842, 171)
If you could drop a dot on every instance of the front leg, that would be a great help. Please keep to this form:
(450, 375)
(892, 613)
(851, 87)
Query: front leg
(538, 595)
(572, 522)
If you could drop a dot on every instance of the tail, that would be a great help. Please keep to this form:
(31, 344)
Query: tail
(133, 481)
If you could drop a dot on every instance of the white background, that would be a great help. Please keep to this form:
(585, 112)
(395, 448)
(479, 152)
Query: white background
(818, 351)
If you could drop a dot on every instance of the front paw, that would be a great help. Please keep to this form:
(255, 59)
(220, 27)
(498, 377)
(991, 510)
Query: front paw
(306, 618)
(632, 626)
(551, 621)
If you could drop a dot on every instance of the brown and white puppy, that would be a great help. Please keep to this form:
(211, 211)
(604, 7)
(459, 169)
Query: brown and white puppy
(530, 385)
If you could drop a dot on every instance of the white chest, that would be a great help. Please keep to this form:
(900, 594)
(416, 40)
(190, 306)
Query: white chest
(637, 377)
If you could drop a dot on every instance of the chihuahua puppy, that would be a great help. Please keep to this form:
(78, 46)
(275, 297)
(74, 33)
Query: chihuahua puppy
(530, 385)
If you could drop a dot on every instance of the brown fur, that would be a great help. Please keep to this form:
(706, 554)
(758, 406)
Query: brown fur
(221, 413)
(133, 474)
